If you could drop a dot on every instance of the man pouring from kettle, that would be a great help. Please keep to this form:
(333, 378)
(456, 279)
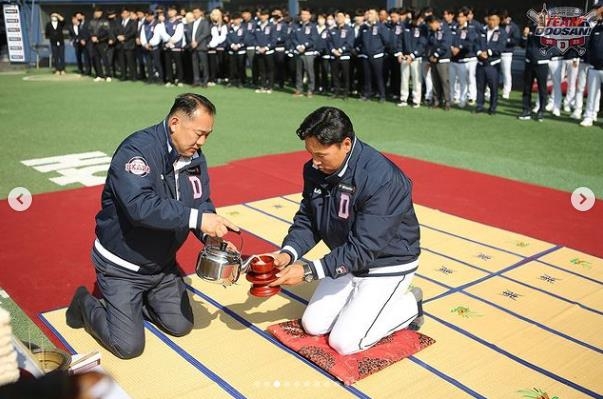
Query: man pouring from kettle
(360, 204)
(156, 193)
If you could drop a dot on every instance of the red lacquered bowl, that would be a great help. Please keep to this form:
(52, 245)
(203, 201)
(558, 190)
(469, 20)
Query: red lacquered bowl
(262, 264)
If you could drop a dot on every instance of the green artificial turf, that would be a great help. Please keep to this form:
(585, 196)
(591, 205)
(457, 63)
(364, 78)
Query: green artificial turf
(62, 116)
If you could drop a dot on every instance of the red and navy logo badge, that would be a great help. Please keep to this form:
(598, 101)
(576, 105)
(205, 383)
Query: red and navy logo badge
(138, 166)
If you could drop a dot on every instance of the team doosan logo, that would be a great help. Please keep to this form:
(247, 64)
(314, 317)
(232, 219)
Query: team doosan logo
(562, 28)
(138, 166)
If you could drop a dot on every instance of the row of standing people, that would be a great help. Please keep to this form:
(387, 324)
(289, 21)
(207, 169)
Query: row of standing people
(409, 56)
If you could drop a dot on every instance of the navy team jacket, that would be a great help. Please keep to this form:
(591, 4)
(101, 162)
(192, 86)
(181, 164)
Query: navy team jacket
(493, 47)
(364, 213)
(143, 222)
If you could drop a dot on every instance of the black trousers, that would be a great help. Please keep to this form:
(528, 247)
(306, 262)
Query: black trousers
(173, 59)
(280, 68)
(487, 75)
(127, 64)
(129, 298)
(200, 67)
(340, 72)
(216, 65)
(100, 59)
(58, 56)
(154, 69)
(322, 69)
(83, 59)
(356, 74)
(373, 75)
(534, 71)
(440, 76)
(393, 67)
(236, 63)
(110, 61)
(141, 63)
(265, 71)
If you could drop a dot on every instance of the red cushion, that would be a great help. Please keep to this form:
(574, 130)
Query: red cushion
(350, 368)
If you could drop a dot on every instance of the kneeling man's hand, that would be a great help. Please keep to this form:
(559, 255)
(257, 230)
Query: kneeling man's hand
(281, 259)
(290, 275)
(215, 225)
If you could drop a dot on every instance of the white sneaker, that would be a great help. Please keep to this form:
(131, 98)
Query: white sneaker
(98, 79)
(168, 84)
(180, 84)
(587, 122)
(462, 105)
(577, 115)
(268, 92)
(505, 96)
(108, 79)
(549, 107)
(567, 108)
(211, 84)
(536, 108)
(417, 105)
(556, 113)
(260, 91)
(402, 104)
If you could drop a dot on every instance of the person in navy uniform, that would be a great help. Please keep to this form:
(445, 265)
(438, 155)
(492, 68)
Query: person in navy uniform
(157, 192)
(54, 34)
(506, 58)
(340, 44)
(281, 37)
(264, 47)
(463, 53)
(249, 24)
(304, 37)
(360, 204)
(536, 67)
(594, 50)
(491, 43)
(235, 45)
(396, 26)
(439, 43)
(173, 42)
(373, 39)
(413, 48)
(323, 58)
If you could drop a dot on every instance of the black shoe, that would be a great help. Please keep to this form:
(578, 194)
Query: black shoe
(479, 110)
(447, 106)
(491, 112)
(416, 324)
(539, 116)
(74, 316)
(524, 116)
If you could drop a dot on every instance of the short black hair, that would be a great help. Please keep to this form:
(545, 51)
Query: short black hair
(329, 125)
(464, 10)
(187, 103)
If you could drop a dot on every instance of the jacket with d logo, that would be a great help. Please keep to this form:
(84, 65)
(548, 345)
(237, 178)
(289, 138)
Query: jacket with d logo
(146, 212)
(364, 213)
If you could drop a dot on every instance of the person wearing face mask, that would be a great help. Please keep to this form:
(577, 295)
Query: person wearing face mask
(360, 204)
(54, 34)
(280, 46)
(157, 192)
(321, 62)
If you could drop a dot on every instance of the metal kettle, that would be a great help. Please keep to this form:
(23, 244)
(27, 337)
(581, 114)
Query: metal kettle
(220, 265)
